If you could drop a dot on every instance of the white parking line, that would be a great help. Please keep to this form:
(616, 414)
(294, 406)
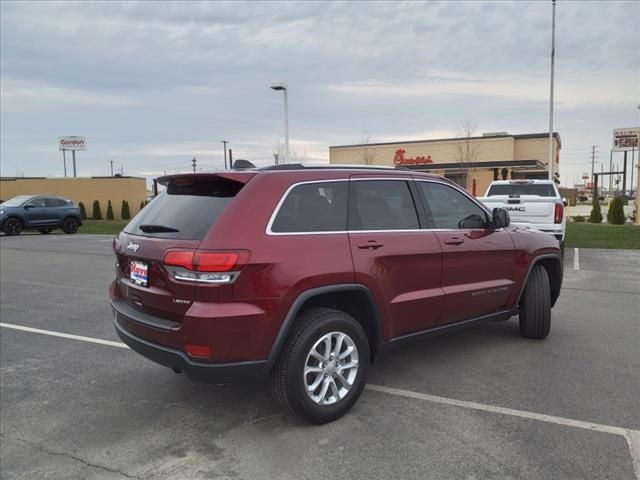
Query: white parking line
(576, 259)
(63, 335)
(631, 436)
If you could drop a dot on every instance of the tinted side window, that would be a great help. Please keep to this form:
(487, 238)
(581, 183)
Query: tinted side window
(382, 205)
(313, 207)
(55, 202)
(37, 203)
(451, 209)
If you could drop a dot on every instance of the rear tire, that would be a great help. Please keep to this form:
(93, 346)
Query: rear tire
(535, 305)
(12, 226)
(348, 344)
(70, 225)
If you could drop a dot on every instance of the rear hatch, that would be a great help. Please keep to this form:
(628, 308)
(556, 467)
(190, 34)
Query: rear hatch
(173, 223)
(525, 202)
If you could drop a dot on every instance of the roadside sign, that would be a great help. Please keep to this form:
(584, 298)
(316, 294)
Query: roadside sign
(625, 139)
(72, 143)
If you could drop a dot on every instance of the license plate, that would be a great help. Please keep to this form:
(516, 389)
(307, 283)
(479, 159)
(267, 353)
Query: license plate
(139, 273)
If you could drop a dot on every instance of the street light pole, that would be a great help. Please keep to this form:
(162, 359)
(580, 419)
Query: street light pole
(553, 56)
(225, 152)
(283, 87)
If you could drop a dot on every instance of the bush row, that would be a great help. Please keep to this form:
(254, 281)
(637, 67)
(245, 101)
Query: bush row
(96, 213)
(615, 212)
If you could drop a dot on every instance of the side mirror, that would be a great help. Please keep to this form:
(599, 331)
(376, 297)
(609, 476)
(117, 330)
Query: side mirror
(565, 202)
(501, 218)
(28, 207)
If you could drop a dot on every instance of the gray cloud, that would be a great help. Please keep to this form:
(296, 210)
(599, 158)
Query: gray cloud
(152, 84)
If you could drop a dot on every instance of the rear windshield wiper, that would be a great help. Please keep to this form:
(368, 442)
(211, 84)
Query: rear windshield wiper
(157, 228)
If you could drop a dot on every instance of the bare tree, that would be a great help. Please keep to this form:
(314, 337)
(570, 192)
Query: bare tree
(278, 154)
(467, 149)
(368, 154)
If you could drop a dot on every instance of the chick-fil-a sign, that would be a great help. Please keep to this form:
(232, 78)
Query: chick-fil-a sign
(72, 143)
(400, 159)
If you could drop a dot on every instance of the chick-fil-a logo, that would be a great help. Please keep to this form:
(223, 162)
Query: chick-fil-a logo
(399, 159)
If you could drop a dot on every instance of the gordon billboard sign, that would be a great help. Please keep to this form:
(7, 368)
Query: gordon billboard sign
(72, 143)
(625, 139)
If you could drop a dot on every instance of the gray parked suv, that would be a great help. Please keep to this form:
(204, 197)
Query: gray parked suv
(39, 212)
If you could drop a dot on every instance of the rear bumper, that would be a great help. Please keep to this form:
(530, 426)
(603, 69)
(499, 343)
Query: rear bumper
(555, 229)
(238, 372)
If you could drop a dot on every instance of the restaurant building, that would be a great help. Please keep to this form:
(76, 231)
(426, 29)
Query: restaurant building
(471, 162)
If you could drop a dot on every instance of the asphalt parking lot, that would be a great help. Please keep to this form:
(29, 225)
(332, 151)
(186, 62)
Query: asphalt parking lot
(481, 403)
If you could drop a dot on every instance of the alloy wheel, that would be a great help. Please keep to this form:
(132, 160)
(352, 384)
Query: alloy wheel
(331, 368)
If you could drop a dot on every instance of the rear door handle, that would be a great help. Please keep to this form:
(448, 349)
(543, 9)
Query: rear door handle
(454, 241)
(371, 244)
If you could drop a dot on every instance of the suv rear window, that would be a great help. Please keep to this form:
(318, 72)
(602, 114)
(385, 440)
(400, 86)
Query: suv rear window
(539, 189)
(186, 210)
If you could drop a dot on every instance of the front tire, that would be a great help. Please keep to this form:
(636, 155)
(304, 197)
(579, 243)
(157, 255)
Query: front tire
(70, 225)
(12, 226)
(535, 305)
(323, 368)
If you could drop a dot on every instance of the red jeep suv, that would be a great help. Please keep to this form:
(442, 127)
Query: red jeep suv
(304, 275)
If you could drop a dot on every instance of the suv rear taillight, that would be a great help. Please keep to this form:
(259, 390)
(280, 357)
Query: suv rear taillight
(205, 266)
(557, 218)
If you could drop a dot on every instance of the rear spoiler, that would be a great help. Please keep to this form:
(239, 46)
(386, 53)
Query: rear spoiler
(234, 176)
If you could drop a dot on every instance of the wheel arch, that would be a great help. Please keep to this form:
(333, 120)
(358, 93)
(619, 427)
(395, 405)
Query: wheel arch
(552, 263)
(67, 217)
(353, 299)
(17, 217)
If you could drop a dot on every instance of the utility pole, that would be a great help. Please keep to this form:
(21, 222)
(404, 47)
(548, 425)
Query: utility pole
(225, 152)
(122, 170)
(624, 176)
(194, 162)
(553, 57)
(111, 162)
(230, 158)
(593, 160)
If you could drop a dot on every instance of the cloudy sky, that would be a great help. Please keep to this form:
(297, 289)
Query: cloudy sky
(153, 84)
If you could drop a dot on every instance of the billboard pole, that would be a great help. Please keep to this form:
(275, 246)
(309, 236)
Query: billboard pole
(64, 160)
(73, 155)
(553, 56)
(633, 158)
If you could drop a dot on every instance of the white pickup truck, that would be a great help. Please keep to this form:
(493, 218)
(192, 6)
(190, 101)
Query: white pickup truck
(535, 203)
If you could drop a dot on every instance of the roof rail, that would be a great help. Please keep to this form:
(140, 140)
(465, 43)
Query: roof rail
(284, 166)
(329, 166)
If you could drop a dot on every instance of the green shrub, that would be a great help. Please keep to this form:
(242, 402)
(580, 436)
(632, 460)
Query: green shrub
(142, 204)
(109, 210)
(616, 212)
(125, 214)
(97, 212)
(579, 219)
(596, 214)
(83, 211)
